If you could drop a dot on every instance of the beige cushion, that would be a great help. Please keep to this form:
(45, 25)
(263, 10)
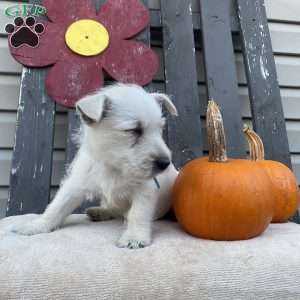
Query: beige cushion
(81, 261)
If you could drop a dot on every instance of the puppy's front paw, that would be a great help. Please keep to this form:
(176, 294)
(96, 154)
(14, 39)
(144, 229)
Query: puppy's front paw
(133, 241)
(32, 228)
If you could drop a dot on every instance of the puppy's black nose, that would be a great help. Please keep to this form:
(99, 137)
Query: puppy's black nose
(162, 163)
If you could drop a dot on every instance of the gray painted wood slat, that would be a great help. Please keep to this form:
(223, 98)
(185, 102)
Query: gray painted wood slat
(264, 92)
(72, 148)
(184, 132)
(73, 127)
(30, 178)
(144, 36)
(220, 70)
(32, 158)
(156, 20)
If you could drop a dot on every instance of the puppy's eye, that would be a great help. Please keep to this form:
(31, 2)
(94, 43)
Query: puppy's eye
(137, 131)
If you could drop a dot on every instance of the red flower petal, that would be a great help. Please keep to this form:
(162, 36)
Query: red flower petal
(46, 53)
(130, 62)
(68, 82)
(124, 18)
(67, 11)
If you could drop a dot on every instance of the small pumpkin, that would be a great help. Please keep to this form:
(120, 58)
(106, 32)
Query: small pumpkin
(284, 183)
(219, 198)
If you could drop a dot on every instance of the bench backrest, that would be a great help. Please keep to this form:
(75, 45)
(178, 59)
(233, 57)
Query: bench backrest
(180, 31)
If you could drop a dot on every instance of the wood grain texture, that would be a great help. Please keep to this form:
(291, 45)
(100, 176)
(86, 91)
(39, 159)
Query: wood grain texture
(184, 131)
(32, 158)
(3, 201)
(267, 111)
(72, 128)
(30, 177)
(71, 146)
(6, 162)
(220, 69)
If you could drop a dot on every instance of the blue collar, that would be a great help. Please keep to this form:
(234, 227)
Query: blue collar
(156, 182)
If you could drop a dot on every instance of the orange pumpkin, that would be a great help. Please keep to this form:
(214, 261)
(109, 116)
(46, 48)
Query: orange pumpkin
(284, 183)
(219, 198)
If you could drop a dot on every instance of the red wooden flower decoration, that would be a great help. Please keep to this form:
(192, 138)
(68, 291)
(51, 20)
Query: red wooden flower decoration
(80, 43)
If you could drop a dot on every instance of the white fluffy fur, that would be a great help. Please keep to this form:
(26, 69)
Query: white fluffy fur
(115, 165)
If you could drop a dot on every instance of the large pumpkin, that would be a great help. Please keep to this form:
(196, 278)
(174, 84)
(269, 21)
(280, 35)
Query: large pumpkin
(219, 198)
(284, 183)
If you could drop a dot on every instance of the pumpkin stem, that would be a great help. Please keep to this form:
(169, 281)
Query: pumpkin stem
(253, 148)
(256, 146)
(215, 133)
(251, 144)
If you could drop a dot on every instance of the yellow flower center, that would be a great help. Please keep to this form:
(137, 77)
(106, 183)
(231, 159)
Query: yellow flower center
(87, 37)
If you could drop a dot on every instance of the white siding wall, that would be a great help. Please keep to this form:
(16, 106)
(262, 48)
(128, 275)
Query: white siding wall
(284, 24)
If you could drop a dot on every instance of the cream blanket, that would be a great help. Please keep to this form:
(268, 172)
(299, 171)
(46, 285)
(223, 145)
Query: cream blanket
(81, 261)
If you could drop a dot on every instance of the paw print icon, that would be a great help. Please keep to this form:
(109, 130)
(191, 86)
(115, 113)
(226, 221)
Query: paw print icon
(24, 32)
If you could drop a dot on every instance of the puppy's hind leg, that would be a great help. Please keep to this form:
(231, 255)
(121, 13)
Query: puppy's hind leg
(97, 213)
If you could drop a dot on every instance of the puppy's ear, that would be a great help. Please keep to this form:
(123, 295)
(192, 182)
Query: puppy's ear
(163, 99)
(92, 108)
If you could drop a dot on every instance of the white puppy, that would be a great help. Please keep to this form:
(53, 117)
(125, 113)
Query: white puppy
(122, 160)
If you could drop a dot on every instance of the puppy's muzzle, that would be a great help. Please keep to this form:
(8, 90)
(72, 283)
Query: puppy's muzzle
(161, 164)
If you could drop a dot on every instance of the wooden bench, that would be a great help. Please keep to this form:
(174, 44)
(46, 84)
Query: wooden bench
(179, 32)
